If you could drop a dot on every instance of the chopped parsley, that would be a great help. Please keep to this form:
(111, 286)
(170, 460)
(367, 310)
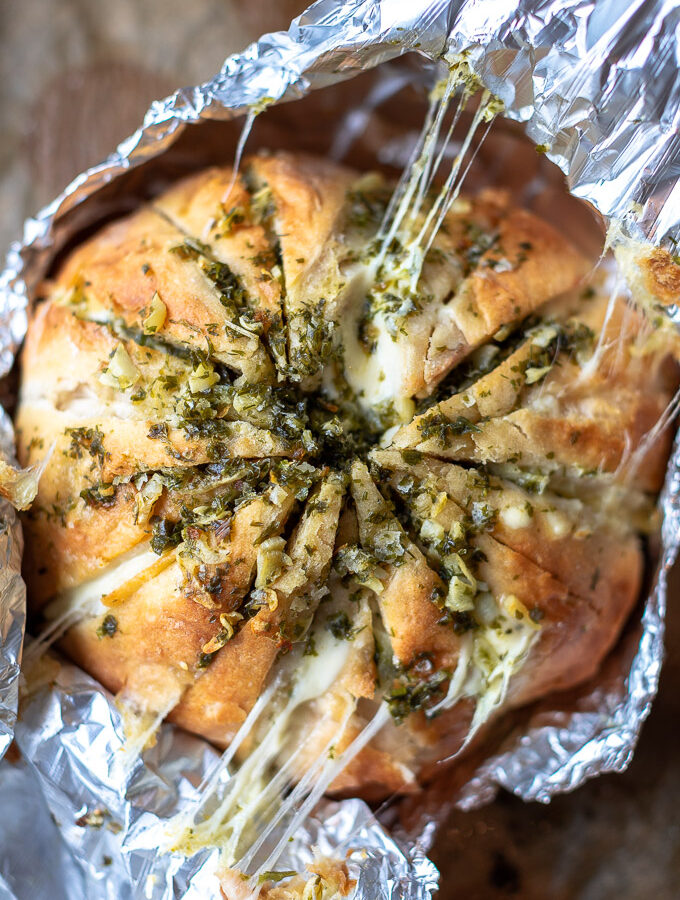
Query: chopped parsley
(437, 426)
(417, 686)
(87, 440)
(103, 495)
(341, 627)
(190, 248)
(165, 535)
(108, 627)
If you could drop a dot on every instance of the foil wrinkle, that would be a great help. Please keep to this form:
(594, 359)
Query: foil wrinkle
(597, 86)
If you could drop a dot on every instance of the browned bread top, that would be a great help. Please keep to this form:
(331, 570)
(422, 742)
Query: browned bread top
(271, 438)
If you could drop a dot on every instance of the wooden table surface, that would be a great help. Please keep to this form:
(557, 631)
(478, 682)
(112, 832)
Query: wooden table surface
(75, 78)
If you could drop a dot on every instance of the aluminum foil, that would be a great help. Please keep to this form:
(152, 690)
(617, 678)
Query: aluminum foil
(12, 601)
(597, 86)
(107, 819)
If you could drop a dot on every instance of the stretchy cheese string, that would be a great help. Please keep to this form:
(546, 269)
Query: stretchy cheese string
(251, 115)
(307, 787)
(448, 194)
(141, 726)
(418, 174)
(593, 364)
(457, 681)
(37, 648)
(488, 687)
(84, 601)
(620, 342)
(619, 360)
(239, 804)
(431, 168)
(212, 777)
(405, 206)
(331, 770)
(632, 462)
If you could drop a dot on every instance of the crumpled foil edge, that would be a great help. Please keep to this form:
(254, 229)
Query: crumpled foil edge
(582, 87)
(12, 601)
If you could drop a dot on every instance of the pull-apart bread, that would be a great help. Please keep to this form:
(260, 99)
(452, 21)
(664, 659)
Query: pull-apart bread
(273, 443)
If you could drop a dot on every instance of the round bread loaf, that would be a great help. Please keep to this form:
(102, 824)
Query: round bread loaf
(275, 450)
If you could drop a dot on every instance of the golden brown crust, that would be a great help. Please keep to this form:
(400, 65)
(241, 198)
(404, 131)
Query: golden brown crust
(563, 617)
(219, 701)
(127, 263)
(593, 556)
(212, 207)
(529, 264)
(662, 275)
(156, 610)
(406, 601)
(309, 194)
(590, 417)
(568, 624)
(64, 551)
(146, 644)
(490, 266)
(308, 197)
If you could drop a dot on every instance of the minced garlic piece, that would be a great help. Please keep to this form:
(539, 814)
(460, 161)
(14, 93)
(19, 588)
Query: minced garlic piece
(121, 373)
(157, 315)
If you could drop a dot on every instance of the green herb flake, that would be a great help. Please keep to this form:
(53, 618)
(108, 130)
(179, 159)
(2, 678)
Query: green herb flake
(340, 627)
(165, 534)
(190, 248)
(274, 876)
(411, 457)
(100, 495)
(86, 440)
(108, 627)
(436, 426)
(417, 686)
(204, 659)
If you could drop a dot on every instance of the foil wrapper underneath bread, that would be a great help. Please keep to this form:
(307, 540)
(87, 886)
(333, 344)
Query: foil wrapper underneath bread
(623, 688)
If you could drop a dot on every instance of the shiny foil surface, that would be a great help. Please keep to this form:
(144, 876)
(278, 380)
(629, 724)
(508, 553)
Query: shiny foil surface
(598, 88)
(12, 601)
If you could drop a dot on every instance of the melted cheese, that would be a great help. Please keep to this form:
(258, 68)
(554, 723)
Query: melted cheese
(110, 578)
(84, 601)
(141, 726)
(377, 376)
(331, 769)
(252, 790)
(374, 377)
(488, 658)
(498, 653)
(244, 811)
